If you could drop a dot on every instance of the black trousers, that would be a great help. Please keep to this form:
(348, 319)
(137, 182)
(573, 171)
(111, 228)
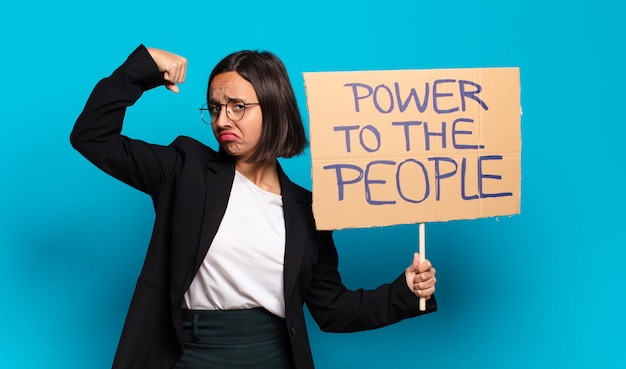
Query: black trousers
(234, 339)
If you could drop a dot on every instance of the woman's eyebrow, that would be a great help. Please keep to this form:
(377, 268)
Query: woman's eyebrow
(228, 99)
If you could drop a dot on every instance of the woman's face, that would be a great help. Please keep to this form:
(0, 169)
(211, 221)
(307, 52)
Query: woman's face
(238, 138)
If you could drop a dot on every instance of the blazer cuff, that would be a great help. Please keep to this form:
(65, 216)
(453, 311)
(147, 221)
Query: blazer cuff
(141, 70)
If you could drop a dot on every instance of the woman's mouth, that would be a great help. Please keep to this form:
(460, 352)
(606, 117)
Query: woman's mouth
(227, 137)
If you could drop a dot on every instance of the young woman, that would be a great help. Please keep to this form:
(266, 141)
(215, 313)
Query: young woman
(234, 252)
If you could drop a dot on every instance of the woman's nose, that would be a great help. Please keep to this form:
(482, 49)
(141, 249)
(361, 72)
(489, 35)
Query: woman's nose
(222, 118)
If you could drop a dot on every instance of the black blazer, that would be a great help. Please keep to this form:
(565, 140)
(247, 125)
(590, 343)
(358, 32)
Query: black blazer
(190, 184)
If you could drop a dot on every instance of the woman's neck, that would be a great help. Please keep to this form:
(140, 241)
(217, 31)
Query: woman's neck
(264, 175)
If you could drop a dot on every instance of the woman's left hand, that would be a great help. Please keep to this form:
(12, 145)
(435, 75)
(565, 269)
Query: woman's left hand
(420, 277)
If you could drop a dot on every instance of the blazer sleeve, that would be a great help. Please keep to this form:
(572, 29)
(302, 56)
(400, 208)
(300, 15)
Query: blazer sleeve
(97, 131)
(338, 309)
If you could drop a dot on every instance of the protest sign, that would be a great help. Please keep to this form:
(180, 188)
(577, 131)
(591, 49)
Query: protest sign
(414, 146)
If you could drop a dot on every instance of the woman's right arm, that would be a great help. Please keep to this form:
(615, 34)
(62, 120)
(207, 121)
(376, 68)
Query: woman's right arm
(97, 131)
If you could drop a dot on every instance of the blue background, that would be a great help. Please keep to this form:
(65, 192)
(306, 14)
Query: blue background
(543, 289)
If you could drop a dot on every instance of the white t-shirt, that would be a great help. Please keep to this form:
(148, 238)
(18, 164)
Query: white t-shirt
(244, 266)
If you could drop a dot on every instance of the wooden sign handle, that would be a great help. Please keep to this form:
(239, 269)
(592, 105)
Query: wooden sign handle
(422, 252)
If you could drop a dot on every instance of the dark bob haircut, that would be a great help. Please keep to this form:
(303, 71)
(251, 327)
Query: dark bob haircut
(282, 131)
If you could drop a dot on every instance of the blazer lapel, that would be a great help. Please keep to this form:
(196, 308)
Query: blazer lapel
(295, 211)
(219, 181)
